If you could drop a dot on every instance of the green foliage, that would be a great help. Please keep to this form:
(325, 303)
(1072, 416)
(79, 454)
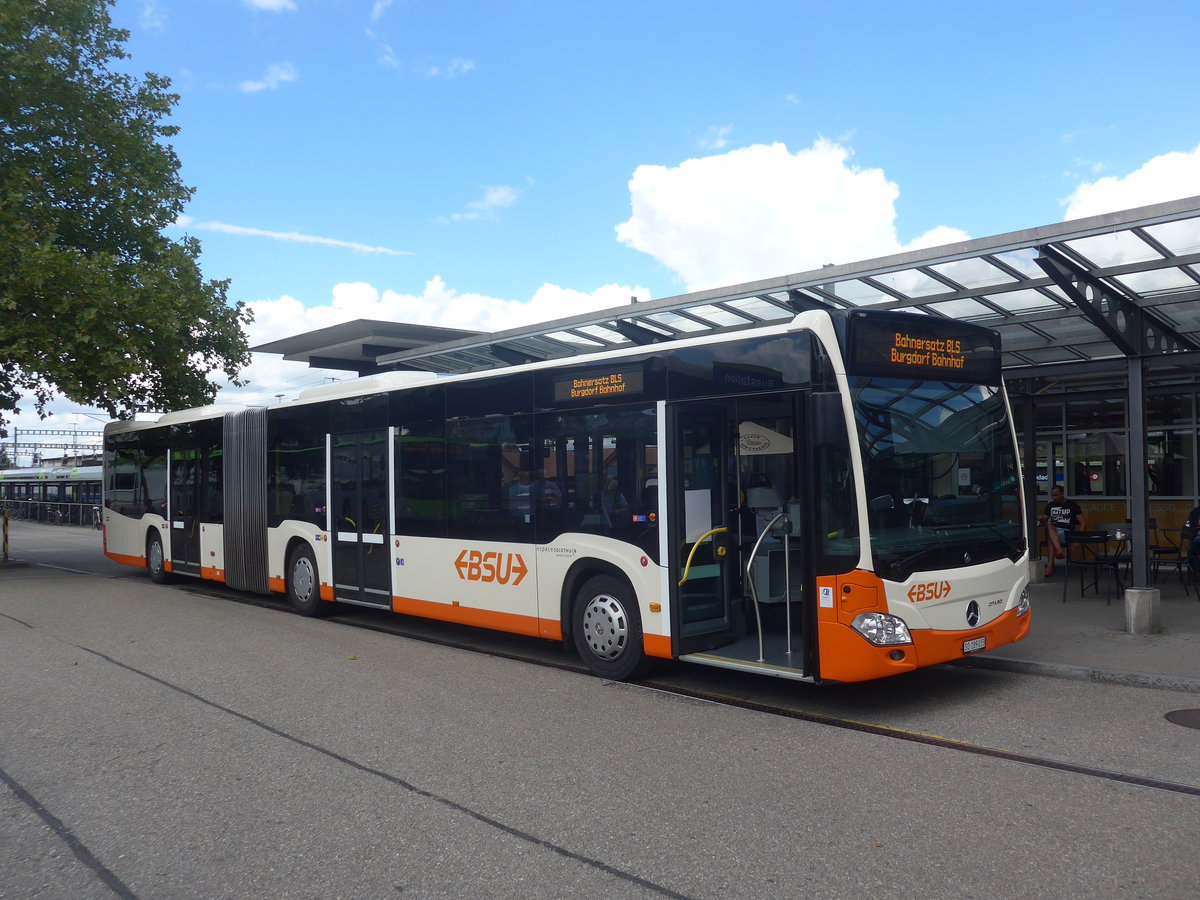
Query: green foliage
(95, 303)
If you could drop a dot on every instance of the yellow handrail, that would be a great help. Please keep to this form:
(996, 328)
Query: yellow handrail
(700, 540)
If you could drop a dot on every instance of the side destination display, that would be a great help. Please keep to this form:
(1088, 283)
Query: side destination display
(908, 346)
(597, 383)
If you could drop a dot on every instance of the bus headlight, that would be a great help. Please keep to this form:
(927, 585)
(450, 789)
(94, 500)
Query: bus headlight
(1023, 602)
(882, 629)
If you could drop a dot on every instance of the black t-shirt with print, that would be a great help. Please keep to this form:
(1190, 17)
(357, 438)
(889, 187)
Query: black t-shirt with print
(1062, 514)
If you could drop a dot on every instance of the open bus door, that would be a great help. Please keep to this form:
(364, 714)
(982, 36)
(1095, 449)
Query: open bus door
(743, 581)
(359, 515)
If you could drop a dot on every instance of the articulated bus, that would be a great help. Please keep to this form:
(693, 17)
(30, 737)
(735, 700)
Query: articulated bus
(831, 499)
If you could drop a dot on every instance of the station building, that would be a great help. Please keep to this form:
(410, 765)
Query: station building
(1099, 320)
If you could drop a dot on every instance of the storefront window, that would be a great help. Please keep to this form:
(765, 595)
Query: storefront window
(1096, 464)
(1169, 409)
(1170, 456)
(1096, 414)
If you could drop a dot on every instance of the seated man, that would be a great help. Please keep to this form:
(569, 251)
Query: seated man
(1061, 515)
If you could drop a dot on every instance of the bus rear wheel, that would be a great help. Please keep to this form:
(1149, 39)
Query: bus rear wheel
(303, 584)
(156, 559)
(607, 628)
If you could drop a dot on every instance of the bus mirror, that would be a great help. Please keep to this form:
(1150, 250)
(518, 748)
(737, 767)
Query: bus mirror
(827, 423)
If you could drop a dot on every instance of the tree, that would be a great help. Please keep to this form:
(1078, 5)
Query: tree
(95, 302)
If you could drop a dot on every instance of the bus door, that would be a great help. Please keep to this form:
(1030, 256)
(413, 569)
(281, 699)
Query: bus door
(701, 563)
(185, 511)
(737, 516)
(359, 493)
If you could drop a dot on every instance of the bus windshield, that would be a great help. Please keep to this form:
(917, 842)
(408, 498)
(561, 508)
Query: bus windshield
(940, 475)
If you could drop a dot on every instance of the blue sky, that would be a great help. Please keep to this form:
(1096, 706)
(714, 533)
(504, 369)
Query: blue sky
(487, 164)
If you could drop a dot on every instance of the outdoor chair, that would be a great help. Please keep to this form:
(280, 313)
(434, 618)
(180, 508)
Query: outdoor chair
(1087, 552)
(1177, 561)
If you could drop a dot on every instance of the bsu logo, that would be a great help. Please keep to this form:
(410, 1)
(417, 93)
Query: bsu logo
(472, 565)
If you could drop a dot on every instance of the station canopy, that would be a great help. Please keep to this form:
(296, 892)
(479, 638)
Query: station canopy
(1075, 297)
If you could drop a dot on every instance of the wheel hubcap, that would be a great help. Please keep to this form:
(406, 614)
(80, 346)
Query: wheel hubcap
(156, 556)
(605, 626)
(303, 578)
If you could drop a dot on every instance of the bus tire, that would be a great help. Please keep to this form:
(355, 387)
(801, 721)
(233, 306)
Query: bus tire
(304, 584)
(156, 559)
(607, 628)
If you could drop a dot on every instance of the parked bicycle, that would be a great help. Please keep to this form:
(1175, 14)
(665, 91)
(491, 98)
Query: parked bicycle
(54, 515)
(97, 519)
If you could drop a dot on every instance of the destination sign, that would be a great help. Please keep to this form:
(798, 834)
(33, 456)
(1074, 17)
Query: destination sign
(909, 346)
(598, 384)
(941, 353)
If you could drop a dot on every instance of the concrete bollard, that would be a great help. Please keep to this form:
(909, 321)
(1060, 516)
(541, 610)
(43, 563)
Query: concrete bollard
(1142, 610)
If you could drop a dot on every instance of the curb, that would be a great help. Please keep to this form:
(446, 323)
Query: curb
(1083, 673)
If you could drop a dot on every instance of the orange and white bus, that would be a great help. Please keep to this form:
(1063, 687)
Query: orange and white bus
(832, 498)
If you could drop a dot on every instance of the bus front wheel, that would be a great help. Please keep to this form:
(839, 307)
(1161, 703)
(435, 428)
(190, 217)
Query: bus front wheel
(303, 585)
(607, 628)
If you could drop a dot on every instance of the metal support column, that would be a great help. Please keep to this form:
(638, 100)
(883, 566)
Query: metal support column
(1029, 472)
(1139, 498)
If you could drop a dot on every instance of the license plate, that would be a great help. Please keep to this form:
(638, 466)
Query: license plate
(974, 644)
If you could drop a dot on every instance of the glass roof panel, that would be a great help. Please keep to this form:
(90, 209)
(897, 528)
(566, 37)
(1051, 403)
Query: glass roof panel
(1022, 261)
(652, 326)
(760, 309)
(857, 293)
(973, 273)
(605, 334)
(1024, 300)
(965, 308)
(678, 322)
(1185, 314)
(570, 337)
(1049, 354)
(1180, 238)
(1105, 250)
(717, 315)
(1147, 283)
(912, 283)
(541, 345)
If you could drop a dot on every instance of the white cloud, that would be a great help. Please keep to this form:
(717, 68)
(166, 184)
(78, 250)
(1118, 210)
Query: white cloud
(762, 211)
(277, 74)
(496, 197)
(293, 236)
(456, 68)
(717, 137)
(378, 9)
(437, 304)
(1170, 176)
(272, 5)
(152, 18)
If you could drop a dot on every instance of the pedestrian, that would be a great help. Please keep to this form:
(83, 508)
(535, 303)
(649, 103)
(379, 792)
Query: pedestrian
(1060, 516)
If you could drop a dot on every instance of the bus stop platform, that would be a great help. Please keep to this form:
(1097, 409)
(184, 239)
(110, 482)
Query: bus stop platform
(1086, 638)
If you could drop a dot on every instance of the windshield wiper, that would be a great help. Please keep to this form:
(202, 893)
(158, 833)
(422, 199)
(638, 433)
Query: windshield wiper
(1016, 546)
(909, 559)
